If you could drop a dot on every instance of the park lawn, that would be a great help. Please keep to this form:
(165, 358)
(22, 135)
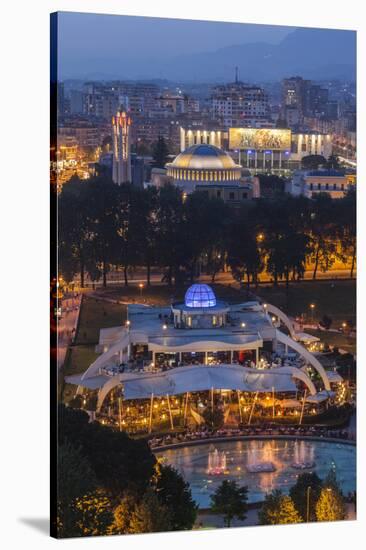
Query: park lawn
(78, 359)
(336, 299)
(96, 314)
(164, 295)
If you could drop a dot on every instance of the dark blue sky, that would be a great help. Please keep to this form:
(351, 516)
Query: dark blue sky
(94, 46)
(93, 43)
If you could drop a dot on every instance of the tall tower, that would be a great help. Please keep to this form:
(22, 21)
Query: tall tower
(121, 124)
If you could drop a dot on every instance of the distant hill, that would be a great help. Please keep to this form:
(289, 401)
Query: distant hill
(311, 53)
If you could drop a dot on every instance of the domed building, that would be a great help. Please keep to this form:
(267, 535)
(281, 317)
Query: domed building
(196, 345)
(201, 165)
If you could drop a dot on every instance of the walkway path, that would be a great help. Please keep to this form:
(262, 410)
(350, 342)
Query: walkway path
(67, 327)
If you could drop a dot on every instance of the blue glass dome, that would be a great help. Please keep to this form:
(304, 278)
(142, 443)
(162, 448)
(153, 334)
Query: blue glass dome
(200, 295)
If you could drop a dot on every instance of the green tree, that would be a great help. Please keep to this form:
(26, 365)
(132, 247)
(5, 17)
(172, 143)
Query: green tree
(312, 162)
(285, 242)
(160, 153)
(323, 232)
(278, 509)
(307, 485)
(123, 514)
(93, 515)
(287, 512)
(330, 505)
(102, 212)
(245, 257)
(346, 228)
(332, 162)
(150, 515)
(130, 462)
(205, 222)
(230, 501)
(73, 233)
(176, 495)
(269, 507)
(173, 247)
(75, 476)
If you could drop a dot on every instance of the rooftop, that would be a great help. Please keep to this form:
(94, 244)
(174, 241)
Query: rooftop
(203, 157)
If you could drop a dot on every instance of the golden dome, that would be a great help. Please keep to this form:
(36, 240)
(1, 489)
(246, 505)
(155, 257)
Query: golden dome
(203, 157)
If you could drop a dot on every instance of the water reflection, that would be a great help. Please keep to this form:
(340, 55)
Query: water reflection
(283, 455)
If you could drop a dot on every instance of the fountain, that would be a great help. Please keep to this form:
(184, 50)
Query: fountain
(303, 456)
(263, 464)
(216, 462)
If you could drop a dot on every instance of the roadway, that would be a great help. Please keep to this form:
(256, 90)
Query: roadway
(223, 278)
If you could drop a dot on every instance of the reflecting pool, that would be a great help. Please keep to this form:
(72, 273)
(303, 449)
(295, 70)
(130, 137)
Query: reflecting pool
(244, 457)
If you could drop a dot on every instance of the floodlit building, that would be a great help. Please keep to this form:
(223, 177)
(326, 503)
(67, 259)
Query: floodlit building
(201, 165)
(121, 172)
(312, 182)
(203, 344)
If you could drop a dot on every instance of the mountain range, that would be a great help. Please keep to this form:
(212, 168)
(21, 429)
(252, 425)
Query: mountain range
(311, 53)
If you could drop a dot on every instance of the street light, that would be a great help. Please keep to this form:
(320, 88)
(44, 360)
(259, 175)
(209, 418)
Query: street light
(242, 325)
(312, 307)
(308, 504)
(141, 286)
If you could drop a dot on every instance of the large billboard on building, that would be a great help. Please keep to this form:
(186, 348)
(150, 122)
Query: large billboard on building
(260, 138)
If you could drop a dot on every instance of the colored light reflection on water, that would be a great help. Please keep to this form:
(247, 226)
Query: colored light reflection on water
(192, 463)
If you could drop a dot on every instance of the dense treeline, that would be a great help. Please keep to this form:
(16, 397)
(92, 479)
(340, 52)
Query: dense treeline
(103, 226)
(111, 484)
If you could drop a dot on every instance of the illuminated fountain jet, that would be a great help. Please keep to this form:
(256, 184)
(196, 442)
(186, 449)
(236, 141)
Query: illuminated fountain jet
(260, 460)
(303, 456)
(216, 462)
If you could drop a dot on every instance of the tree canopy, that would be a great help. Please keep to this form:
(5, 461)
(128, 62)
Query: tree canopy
(230, 501)
(278, 509)
(104, 226)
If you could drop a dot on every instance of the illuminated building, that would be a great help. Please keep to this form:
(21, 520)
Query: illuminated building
(201, 165)
(312, 182)
(199, 344)
(121, 172)
(239, 104)
(261, 150)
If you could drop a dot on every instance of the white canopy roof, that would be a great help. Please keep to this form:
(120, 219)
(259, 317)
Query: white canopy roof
(334, 376)
(92, 383)
(320, 397)
(205, 342)
(201, 378)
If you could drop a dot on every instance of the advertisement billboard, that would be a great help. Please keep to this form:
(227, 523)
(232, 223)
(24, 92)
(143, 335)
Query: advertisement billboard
(260, 138)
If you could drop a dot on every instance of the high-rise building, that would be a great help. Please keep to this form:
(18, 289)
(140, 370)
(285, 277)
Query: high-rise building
(316, 100)
(294, 94)
(121, 125)
(239, 104)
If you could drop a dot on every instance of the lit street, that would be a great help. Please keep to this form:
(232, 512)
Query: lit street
(67, 326)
